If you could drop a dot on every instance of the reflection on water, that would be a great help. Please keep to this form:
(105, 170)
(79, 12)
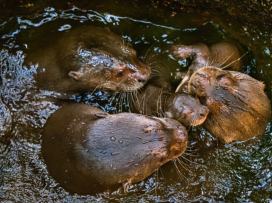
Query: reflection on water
(212, 172)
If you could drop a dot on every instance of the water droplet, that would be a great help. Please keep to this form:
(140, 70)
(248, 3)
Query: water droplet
(111, 132)
(115, 153)
(164, 35)
(112, 138)
(120, 141)
(127, 144)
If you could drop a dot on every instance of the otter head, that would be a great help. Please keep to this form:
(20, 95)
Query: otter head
(186, 109)
(175, 138)
(102, 60)
(130, 147)
(152, 142)
(239, 108)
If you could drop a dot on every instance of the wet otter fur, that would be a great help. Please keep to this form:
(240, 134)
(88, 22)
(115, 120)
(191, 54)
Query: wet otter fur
(182, 107)
(221, 54)
(157, 98)
(87, 150)
(88, 58)
(239, 108)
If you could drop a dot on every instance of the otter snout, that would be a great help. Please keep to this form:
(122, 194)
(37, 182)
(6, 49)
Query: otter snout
(180, 135)
(203, 112)
(143, 75)
(179, 140)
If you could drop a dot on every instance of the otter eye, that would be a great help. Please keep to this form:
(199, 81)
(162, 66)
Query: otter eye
(119, 74)
(220, 76)
(188, 111)
(193, 86)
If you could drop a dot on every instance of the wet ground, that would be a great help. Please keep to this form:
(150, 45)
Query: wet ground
(212, 172)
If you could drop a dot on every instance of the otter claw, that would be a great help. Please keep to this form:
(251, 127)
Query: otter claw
(126, 185)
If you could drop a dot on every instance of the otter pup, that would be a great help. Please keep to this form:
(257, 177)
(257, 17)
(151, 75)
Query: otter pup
(87, 150)
(239, 108)
(86, 59)
(182, 107)
(221, 54)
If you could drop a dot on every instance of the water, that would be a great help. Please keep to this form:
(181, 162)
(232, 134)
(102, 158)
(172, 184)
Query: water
(211, 171)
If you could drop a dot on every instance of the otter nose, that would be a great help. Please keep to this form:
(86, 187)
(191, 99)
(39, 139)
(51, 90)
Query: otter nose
(141, 80)
(143, 76)
(203, 112)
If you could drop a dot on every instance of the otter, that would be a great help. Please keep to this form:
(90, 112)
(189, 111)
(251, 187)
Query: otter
(87, 150)
(222, 54)
(86, 59)
(239, 108)
(157, 98)
(182, 107)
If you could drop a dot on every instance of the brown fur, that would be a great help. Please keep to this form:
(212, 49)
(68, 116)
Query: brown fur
(224, 53)
(88, 151)
(183, 107)
(239, 108)
(88, 58)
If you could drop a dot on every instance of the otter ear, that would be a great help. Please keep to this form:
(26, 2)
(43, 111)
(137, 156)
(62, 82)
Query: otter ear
(101, 115)
(75, 75)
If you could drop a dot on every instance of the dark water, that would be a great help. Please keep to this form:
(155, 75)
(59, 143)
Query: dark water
(211, 171)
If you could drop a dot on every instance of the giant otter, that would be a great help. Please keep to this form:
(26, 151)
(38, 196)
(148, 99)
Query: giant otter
(239, 108)
(86, 59)
(87, 150)
(222, 54)
(182, 107)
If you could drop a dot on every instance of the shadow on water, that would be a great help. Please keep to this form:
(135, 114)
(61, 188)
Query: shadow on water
(239, 172)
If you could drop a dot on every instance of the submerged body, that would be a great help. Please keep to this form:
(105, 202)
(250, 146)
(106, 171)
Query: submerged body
(239, 108)
(93, 151)
(86, 59)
